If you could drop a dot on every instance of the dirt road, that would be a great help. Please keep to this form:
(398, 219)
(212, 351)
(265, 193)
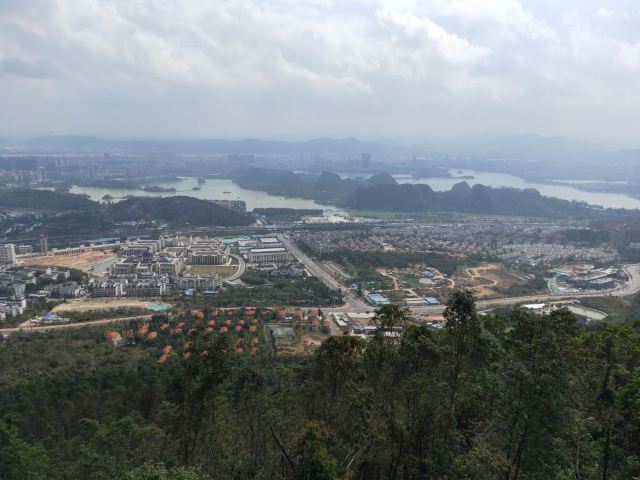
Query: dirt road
(64, 326)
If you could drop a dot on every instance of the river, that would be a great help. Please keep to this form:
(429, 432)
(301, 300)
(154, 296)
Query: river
(212, 189)
(557, 190)
(216, 189)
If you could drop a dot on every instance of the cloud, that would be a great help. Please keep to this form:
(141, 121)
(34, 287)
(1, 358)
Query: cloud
(403, 68)
(22, 68)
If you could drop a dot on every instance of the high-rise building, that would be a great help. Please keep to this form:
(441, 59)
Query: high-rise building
(8, 254)
(44, 243)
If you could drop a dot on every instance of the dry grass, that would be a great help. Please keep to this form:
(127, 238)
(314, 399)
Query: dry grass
(81, 261)
(222, 270)
(99, 304)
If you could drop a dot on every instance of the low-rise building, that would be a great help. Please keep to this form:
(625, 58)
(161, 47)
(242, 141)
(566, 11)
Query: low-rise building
(8, 254)
(204, 282)
(108, 288)
(65, 290)
(269, 255)
(148, 288)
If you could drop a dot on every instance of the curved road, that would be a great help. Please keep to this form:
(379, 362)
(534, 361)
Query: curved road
(241, 268)
(355, 304)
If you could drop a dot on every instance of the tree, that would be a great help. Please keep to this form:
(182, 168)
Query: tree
(533, 416)
(158, 471)
(461, 338)
(390, 318)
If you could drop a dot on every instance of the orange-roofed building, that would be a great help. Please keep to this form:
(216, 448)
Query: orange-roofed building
(241, 322)
(253, 328)
(113, 337)
(313, 312)
(254, 321)
(209, 329)
(199, 314)
(224, 329)
(168, 349)
(143, 329)
(177, 331)
(163, 358)
(231, 311)
(193, 331)
(111, 334)
(255, 340)
(216, 312)
(239, 350)
(238, 328)
(152, 336)
(204, 353)
(249, 312)
(228, 321)
(298, 312)
(254, 351)
(181, 325)
(186, 346)
(211, 323)
(315, 324)
(238, 341)
(164, 326)
(186, 355)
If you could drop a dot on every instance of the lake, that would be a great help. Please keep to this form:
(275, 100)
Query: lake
(565, 192)
(213, 189)
(217, 189)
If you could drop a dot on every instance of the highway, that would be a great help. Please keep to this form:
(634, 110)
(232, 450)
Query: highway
(351, 302)
(354, 304)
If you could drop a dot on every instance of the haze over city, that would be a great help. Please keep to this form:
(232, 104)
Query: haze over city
(407, 71)
(319, 240)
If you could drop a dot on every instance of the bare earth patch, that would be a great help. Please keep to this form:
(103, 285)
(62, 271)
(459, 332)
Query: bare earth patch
(99, 304)
(81, 261)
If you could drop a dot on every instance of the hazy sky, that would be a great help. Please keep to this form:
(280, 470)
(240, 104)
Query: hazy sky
(304, 68)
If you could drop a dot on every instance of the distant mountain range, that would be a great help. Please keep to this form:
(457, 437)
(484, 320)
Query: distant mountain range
(516, 145)
(479, 199)
(318, 146)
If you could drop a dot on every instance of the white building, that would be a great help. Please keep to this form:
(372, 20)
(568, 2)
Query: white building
(204, 282)
(269, 255)
(8, 254)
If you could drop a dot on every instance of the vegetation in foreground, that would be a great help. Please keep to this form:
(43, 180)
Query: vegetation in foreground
(521, 396)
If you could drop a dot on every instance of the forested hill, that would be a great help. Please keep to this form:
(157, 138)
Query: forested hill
(465, 199)
(516, 397)
(44, 200)
(179, 210)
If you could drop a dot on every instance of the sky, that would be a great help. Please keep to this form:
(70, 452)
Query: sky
(379, 69)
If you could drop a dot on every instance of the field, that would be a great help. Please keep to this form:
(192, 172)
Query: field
(488, 280)
(81, 261)
(222, 270)
(99, 304)
(301, 343)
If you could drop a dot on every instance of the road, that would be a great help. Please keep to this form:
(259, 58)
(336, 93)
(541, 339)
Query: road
(354, 304)
(62, 326)
(241, 268)
(630, 288)
(350, 300)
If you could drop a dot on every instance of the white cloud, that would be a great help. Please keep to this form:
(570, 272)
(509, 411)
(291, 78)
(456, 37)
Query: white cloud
(316, 67)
